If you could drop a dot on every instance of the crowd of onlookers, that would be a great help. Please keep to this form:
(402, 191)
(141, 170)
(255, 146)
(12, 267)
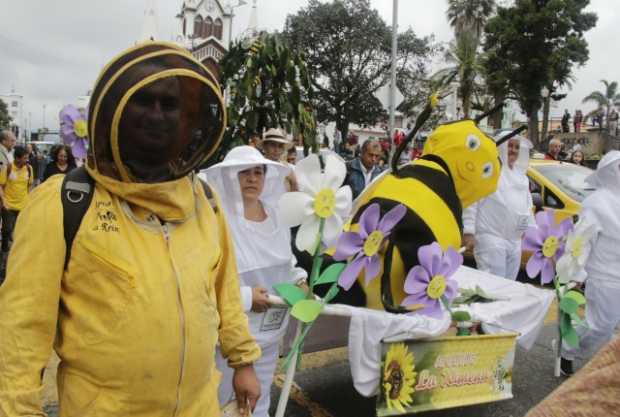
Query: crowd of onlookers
(596, 118)
(23, 167)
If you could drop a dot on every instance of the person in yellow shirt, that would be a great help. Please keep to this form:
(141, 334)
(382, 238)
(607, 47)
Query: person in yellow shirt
(136, 305)
(15, 182)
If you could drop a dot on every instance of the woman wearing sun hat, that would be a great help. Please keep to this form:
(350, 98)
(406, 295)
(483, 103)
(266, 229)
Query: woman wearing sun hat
(247, 183)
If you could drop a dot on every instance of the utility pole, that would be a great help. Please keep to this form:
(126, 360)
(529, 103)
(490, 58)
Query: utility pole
(392, 97)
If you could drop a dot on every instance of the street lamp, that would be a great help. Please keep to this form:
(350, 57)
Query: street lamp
(232, 14)
(544, 92)
(392, 95)
(44, 106)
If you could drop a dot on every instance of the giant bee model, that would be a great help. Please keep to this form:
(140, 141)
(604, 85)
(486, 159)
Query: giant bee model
(459, 166)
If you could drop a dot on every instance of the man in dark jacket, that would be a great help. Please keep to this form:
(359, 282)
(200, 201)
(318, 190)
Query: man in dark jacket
(362, 170)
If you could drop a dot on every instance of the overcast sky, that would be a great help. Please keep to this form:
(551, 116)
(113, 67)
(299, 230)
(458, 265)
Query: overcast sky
(52, 51)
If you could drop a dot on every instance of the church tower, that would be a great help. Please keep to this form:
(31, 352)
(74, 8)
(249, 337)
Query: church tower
(204, 29)
(149, 24)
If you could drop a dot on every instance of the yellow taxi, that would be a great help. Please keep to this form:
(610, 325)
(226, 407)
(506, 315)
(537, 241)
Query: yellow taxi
(559, 186)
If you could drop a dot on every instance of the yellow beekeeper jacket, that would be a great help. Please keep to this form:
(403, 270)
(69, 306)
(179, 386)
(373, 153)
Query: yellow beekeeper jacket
(16, 185)
(136, 316)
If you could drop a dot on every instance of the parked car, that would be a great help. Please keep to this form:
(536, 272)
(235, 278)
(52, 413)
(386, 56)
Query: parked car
(560, 186)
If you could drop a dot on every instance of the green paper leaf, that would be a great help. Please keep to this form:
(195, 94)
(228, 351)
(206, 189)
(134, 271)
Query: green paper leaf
(568, 305)
(577, 296)
(332, 293)
(307, 310)
(565, 323)
(291, 293)
(331, 274)
(575, 317)
(461, 316)
(569, 335)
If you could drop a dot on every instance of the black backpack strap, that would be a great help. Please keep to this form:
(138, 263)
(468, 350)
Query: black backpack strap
(209, 194)
(76, 195)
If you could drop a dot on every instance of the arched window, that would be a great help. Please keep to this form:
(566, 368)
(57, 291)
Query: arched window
(197, 26)
(184, 27)
(207, 29)
(217, 28)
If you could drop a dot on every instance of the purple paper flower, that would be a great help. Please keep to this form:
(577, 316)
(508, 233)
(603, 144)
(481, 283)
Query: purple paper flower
(74, 130)
(428, 282)
(547, 244)
(366, 243)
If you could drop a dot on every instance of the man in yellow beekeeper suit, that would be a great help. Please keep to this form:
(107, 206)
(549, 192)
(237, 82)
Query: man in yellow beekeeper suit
(150, 283)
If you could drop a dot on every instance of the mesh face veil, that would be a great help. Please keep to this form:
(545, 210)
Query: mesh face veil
(155, 115)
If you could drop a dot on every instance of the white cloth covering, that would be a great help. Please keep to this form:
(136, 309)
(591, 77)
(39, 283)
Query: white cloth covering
(602, 268)
(522, 309)
(499, 221)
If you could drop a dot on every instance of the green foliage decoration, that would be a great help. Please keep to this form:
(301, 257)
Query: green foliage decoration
(268, 87)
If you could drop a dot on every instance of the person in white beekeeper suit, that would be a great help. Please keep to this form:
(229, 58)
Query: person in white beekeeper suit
(493, 227)
(599, 220)
(245, 181)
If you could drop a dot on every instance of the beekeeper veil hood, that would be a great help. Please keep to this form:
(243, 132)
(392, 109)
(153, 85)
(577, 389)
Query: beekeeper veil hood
(155, 114)
(607, 174)
(224, 178)
(523, 159)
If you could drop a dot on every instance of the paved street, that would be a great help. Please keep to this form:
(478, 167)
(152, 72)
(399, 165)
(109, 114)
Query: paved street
(324, 387)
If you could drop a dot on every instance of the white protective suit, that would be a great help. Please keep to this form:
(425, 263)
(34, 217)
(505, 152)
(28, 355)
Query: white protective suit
(264, 258)
(600, 211)
(498, 221)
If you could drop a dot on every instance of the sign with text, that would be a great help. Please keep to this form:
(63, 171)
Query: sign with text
(423, 375)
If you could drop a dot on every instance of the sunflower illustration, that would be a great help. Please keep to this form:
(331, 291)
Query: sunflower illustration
(398, 377)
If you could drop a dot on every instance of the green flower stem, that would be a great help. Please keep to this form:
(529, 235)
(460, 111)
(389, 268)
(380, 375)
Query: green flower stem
(446, 304)
(558, 294)
(297, 345)
(317, 261)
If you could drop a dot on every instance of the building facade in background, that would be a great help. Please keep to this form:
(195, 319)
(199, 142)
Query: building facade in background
(205, 29)
(15, 106)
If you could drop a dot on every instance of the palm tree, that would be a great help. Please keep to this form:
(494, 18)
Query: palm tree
(607, 99)
(469, 15)
(468, 18)
(466, 67)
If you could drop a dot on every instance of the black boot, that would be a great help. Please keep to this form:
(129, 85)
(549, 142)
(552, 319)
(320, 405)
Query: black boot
(566, 367)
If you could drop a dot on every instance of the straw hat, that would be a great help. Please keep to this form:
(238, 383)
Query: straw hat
(276, 135)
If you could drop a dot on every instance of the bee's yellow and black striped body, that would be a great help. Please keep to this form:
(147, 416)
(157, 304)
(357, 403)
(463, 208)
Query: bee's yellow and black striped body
(459, 166)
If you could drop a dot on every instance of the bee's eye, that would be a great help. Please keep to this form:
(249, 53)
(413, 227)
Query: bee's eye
(487, 170)
(472, 142)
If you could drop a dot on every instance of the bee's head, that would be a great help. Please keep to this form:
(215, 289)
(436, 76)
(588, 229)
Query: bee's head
(471, 157)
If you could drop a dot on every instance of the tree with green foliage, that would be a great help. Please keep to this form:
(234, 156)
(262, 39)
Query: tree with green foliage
(465, 60)
(5, 118)
(606, 99)
(469, 16)
(268, 86)
(534, 44)
(348, 46)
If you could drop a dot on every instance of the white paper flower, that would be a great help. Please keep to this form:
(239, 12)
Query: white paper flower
(320, 197)
(570, 266)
